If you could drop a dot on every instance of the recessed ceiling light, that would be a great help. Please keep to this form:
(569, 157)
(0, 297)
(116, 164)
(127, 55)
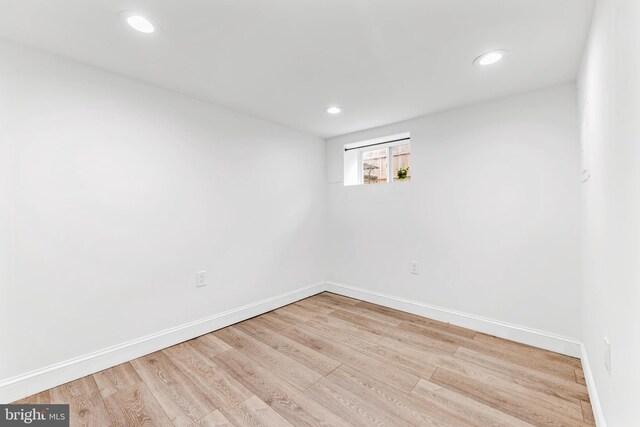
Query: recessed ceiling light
(334, 110)
(138, 22)
(490, 57)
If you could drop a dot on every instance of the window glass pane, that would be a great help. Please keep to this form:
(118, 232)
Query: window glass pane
(401, 162)
(374, 166)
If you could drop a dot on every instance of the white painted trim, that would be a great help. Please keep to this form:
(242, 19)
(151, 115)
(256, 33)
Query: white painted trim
(27, 384)
(20, 386)
(521, 334)
(591, 386)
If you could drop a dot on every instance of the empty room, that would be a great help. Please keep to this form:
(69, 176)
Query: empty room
(320, 213)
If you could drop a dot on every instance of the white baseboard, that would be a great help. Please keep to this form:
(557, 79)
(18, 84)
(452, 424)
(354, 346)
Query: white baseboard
(27, 384)
(521, 334)
(536, 338)
(591, 386)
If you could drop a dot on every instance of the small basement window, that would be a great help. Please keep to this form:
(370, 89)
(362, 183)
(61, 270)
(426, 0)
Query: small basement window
(378, 160)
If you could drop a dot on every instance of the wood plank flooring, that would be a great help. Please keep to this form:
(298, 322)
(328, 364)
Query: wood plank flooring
(329, 360)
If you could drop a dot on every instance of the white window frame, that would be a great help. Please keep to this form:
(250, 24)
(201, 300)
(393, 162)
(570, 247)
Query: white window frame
(387, 147)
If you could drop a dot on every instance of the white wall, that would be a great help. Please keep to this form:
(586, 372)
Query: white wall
(118, 192)
(609, 88)
(121, 191)
(491, 214)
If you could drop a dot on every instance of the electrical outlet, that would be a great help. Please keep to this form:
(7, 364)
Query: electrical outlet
(415, 267)
(607, 355)
(201, 279)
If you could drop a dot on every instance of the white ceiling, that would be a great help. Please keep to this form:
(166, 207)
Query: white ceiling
(286, 60)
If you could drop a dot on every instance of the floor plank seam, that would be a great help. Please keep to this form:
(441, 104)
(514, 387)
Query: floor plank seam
(435, 372)
(324, 376)
(417, 382)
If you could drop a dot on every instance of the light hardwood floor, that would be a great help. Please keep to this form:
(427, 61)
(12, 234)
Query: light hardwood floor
(332, 360)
